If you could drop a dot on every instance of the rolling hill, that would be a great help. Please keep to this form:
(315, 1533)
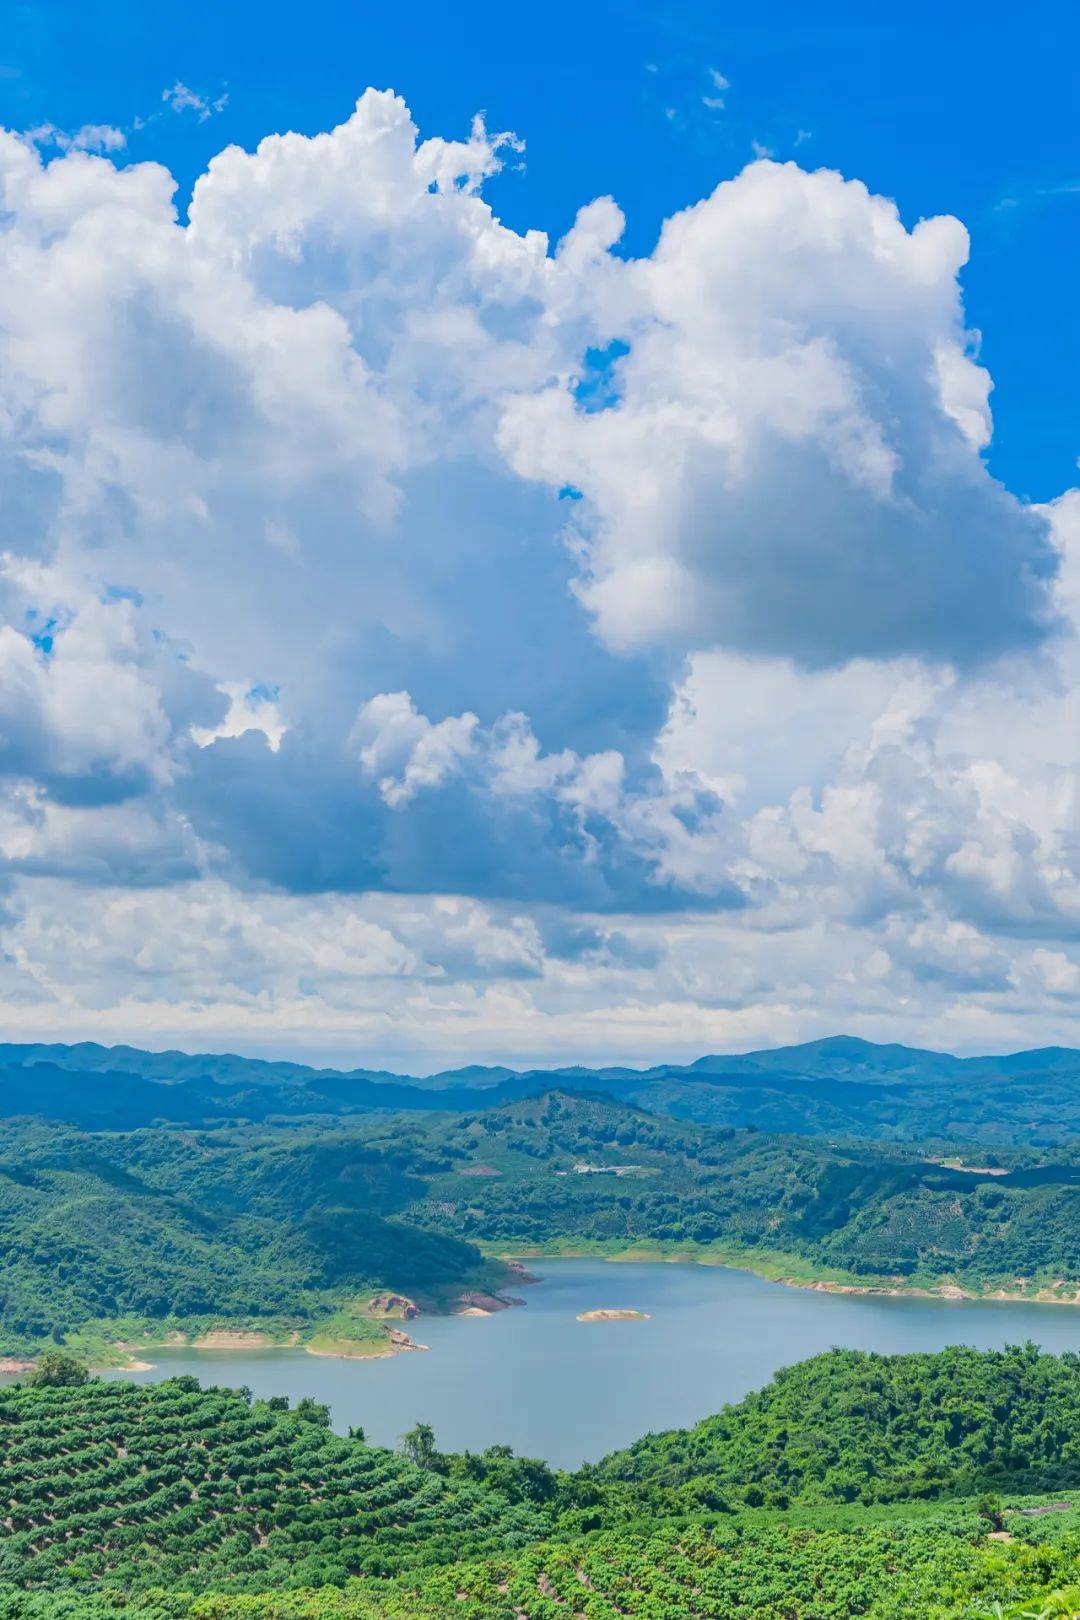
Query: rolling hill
(841, 1087)
(288, 1222)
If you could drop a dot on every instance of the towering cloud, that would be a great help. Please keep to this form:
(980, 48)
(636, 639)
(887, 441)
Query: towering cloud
(575, 635)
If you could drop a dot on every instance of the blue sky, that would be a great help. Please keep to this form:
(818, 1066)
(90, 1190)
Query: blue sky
(597, 581)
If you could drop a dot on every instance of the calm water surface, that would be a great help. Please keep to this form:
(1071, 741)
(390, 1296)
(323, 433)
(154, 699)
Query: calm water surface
(553, 1387)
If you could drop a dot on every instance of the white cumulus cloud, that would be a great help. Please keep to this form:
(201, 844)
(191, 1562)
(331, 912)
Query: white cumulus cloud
(583, 645)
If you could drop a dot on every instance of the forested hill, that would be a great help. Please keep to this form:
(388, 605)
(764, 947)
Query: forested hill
(836, 1087)
(578, 1169)
(286, 1224)
(851, 1426)
(834, 1057)
(173, 1503)
(165, 1227)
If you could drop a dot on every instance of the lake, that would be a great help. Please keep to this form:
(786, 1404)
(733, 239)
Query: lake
(551, 1386)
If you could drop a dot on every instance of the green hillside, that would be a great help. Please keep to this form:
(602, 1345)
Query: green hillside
(175, 1503)
(168, 1485)
(164, 1226)
(286, 1224)
(850, 1426)
(853, 1211)
(937, 1567)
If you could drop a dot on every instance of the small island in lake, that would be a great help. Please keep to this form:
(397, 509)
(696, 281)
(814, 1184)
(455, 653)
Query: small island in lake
(607, 1315)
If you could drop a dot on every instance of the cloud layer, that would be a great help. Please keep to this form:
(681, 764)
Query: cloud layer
(419, 634)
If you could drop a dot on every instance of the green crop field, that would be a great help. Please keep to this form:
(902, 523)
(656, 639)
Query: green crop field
(923, 1487)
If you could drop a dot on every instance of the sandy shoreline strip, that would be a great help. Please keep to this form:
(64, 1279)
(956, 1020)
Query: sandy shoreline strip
(606, 1314)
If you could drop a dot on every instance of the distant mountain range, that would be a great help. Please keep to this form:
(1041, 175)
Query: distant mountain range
(841, 1086)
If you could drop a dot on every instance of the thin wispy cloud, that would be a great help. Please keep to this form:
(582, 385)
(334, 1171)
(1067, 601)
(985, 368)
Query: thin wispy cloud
(88, 138)
(714, 99)
(180, 98)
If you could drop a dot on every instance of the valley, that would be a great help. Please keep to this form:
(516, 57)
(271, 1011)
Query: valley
(288, 1227)
(577, 1271)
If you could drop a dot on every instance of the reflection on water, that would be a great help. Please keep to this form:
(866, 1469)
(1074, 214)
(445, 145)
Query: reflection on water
(551, 1386)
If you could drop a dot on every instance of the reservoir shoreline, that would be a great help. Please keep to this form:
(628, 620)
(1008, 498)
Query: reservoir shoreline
(552, 1386)
(129, 1355)
(769, 1267)
(794, 1271)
